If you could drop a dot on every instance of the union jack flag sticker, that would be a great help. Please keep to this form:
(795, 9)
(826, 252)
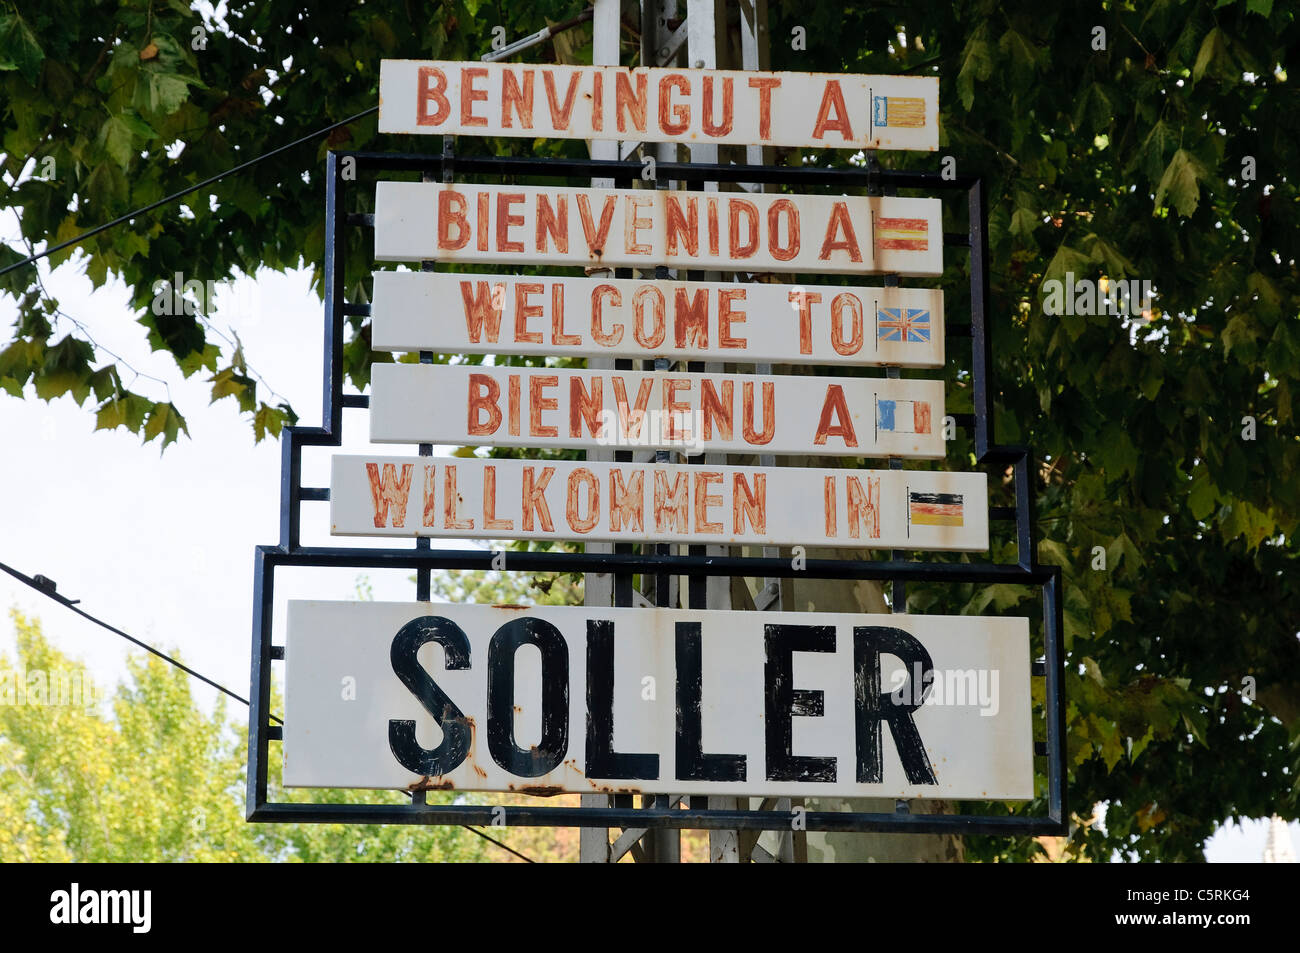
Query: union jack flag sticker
(909, 325)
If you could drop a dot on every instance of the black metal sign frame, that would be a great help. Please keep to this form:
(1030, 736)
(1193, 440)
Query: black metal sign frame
(423, 559)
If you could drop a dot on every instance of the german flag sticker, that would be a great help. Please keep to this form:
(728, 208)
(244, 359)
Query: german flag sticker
(934, 509)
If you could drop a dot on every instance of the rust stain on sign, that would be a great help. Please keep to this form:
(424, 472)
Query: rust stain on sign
(429, 783)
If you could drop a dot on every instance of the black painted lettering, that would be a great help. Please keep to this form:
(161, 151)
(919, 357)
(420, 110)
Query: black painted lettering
(692, 762)
(456, 735)
(550, 751)
(782, 701)
(872, 705)
(602, 760)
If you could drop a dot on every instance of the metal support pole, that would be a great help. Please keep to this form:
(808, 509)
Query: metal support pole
(661, 845)
(598, 587)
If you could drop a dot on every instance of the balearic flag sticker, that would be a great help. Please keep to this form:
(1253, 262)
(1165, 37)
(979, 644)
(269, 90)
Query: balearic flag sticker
(725, 107)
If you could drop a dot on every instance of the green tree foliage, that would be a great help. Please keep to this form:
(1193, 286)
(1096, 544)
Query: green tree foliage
(1161, 147)
(1154, 141)
(143, 98)
(505, 588)
(144, 774)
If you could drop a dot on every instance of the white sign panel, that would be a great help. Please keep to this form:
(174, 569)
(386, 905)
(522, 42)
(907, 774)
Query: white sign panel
(679, 320)
(816, 110)
(546, 700)
(690, 412)
(642, 228)
(476, 498)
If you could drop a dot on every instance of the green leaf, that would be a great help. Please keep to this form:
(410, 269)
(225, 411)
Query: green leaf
(161, 94)
(1095, 112)
(1263, 7)
(267, 420)
(1023, 222)
(164, 421)
(18, 362)
(137, 408)
(1122, 550)
(19, 49)
(1217, 58)
(107, 188)
(1023, 55)
(1267, 295)
(198, 360)
(55, 383)
(1065, 260)
(133, 244)
(119, 132)
(1053, 553)
(383, 33)
(1195, 723)
(105, 382)
(1202, 496)
(116, 138)
(1093, 670)
(13, 283)
(230, 383)
(1248, 521)
(111, 415)
(1140, 744)
(1157, 144)
(1112, 747)
(1000, 596)
(1282, 395)
(1240, 332)
(1180, 183)
(1111, 258)
(1153, 378)
(976, 65)
(172, 56)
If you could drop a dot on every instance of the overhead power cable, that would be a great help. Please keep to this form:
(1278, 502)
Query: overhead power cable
(506, 847)
(78, 239)
(47, 587)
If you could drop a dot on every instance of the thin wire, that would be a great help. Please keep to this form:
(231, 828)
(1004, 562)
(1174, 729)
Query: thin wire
(76, 240)
(60, 313)
(69, 604)
(475, 830)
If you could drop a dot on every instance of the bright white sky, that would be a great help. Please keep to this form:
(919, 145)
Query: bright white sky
(162, 546)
